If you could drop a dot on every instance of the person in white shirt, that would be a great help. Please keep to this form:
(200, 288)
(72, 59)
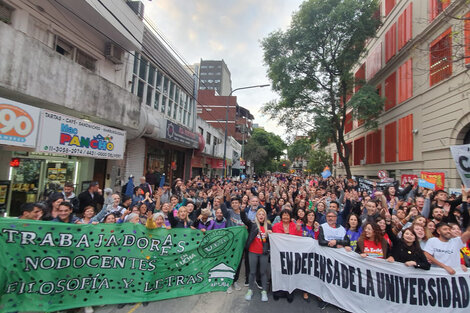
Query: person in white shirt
(444, 251)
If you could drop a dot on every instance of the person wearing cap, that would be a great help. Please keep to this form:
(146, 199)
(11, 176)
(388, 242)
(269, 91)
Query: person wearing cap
(444, 251)
(92, 196)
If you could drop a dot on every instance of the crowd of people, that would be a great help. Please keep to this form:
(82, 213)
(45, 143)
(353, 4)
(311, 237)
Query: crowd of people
(415, 226)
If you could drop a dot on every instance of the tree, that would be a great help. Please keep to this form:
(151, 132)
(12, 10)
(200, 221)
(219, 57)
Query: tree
(299, 149)
(310, 66)
(318, 160)
(263, 148)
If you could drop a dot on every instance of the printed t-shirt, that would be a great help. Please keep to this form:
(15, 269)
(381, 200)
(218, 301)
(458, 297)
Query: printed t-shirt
(372, 249)
(256, 245)
(447, 253)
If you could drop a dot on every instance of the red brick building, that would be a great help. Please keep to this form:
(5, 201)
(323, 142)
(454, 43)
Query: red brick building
(213, 111)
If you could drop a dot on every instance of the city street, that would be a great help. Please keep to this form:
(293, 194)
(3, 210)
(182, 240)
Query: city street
(222, 302)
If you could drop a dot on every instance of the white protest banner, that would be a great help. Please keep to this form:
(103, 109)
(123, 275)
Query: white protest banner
(68, 135)
(19, 124)
(461, 155)
(359, 284)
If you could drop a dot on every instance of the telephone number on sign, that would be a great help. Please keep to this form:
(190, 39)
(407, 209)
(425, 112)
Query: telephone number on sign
(67, 150)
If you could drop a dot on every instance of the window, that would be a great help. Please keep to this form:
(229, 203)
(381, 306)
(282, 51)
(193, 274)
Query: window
(359, 150)
(208, 138)
(391, 142)
(5, 12)
(374, 147)
(440, 55)
(64, 48)
(389, 4)
(405, 138)
(436, 7)
(405, 21)
(201, 131)
(390, 42)
(348, 124)
(374, 62)
(391, 91)
(85, 60)
(359, 77)
(405, 79)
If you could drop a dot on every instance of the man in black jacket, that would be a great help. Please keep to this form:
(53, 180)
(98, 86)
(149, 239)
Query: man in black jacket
(92, 196)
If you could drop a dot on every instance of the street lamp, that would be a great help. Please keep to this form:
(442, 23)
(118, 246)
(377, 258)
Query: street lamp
(226, 122)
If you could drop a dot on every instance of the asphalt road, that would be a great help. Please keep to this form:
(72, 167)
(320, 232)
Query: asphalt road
(222, 302)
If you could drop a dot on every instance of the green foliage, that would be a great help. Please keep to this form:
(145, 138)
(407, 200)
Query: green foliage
(367, 105)
(310, 66)
(283, 166)
(299, 149)
(318, 160)
(263, 148)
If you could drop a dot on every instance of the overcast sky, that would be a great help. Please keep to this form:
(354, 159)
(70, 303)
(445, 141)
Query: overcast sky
(229, 30)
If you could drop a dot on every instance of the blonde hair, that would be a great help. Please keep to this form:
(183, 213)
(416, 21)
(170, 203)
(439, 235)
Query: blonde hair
(187, 216)
(265, 224)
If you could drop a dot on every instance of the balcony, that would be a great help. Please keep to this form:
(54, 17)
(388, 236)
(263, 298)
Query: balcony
(35, 74)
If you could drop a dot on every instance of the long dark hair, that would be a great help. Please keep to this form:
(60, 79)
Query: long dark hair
(378, 236)
(359, 222)
(415, 246)
(305, 220)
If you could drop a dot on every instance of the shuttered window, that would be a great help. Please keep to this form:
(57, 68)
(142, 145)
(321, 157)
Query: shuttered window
(390, 91)
(436, 7)
(5, 13)
(389, 4)
(374, 62)
(391, 142)
(348, 124)
(467, 38)
(359, 150)
(359, 77)
(405, 81)
(390, 42)
(405, 138)
(374, 147)
(405, 22)
(440, 56)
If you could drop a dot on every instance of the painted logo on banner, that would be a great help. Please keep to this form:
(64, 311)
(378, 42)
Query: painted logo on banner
(18, 123)
(71, 136)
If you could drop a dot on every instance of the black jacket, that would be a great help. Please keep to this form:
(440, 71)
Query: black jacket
(86, 200)
(323, 242)
(253, 232)
(401, 252)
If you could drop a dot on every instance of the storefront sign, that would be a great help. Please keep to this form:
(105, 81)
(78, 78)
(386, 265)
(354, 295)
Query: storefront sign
(62, 266)
(217, 163)
(358, 284)
(71, 136)
(197, 161)
(18, 124)
(181, 135)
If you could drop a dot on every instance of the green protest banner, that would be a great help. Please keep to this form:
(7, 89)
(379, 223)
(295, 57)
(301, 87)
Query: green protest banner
(47, 266)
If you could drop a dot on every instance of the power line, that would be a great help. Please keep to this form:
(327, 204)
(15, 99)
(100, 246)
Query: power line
(160, 65)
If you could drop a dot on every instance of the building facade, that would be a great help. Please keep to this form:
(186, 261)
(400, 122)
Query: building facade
(419, 63)
(64, 80)
(215, 75)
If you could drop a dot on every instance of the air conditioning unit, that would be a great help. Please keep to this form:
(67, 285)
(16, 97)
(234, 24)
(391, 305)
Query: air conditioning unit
(137, 7)
(113, 53)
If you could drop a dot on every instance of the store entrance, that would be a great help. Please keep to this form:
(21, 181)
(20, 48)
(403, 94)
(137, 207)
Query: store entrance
(33, 179)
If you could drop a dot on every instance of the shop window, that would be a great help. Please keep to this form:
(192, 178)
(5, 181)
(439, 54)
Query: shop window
(405, 79)
(391, 142)
(156, 102)
(359, 78)
(359, 150)
(405, 22)
(436, 7)
(440, 55)
(374, 61)
(348, 124)
(389, 4)
(390, 42)
(374, 147)
(5, 12)
(391, 91)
